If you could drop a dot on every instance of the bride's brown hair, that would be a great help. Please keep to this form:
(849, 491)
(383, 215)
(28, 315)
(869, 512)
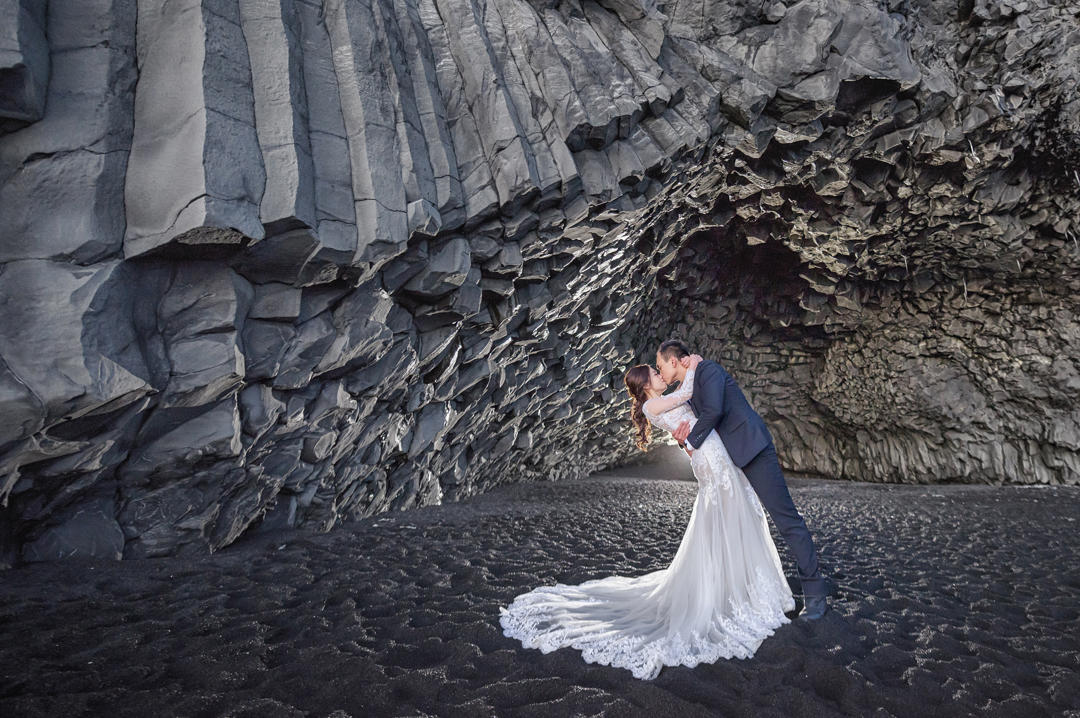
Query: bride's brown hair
(636, 379)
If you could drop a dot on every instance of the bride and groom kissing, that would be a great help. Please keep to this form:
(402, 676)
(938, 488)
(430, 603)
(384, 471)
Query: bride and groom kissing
(724, 592)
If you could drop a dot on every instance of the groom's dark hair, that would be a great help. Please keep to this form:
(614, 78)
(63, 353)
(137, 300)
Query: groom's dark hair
(674, 348)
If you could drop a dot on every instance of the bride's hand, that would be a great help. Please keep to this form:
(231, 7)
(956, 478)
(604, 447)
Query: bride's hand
(691, 361)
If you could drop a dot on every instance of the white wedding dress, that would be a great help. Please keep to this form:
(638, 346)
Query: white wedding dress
(720, 597)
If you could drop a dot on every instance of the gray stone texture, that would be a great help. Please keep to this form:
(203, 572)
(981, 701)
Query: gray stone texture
(296, 262)
(24, 63)
(196, 173)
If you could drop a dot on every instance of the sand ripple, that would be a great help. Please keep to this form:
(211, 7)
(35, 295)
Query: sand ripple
(955, 600)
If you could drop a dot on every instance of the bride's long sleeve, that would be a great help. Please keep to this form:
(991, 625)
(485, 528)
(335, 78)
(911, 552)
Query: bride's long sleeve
(681, 395)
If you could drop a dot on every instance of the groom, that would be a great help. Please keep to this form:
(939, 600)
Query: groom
(719, 404)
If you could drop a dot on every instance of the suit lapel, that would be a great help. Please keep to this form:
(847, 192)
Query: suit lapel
(694, 397)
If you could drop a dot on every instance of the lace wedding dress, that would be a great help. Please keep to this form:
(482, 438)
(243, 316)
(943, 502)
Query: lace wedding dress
(720, 597)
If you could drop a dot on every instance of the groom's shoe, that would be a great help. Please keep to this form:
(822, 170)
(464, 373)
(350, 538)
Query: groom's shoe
(814, 608)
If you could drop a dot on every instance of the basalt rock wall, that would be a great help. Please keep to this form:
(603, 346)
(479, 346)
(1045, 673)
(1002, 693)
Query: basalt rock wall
(289, 263)
(932, 379)
(901, 307)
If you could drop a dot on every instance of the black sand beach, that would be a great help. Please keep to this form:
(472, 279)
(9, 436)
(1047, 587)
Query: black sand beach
(950, 600)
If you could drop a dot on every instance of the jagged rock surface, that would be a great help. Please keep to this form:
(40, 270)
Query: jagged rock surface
(289, 263)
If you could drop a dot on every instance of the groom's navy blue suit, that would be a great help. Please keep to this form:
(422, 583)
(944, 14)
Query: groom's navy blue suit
(719, 404)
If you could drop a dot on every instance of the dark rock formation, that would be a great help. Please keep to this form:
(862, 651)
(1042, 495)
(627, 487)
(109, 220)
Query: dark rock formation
(291, 263)
(24, 63)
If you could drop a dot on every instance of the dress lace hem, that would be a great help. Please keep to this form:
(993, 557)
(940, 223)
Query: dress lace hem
(736, 635)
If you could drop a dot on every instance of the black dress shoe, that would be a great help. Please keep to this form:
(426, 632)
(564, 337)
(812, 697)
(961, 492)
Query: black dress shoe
(814, 608)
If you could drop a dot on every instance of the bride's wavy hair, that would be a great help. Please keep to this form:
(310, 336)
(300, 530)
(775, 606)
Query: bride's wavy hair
(636, 379)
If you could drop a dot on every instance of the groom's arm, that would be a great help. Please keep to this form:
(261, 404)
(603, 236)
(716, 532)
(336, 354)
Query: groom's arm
(710, 399)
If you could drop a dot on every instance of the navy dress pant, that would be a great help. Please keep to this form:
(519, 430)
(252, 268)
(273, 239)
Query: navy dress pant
(765, 476)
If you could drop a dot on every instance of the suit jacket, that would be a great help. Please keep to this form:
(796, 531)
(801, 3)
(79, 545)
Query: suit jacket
(719, 404)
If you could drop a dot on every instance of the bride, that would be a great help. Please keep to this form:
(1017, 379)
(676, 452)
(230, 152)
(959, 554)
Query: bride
(722, 595)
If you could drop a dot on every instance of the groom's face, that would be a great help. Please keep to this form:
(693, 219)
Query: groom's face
(668, 367)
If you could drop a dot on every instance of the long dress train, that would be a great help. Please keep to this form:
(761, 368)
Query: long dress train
(723, 593)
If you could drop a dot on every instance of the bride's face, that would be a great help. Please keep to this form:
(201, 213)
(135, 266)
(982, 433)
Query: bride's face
(656, 382)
